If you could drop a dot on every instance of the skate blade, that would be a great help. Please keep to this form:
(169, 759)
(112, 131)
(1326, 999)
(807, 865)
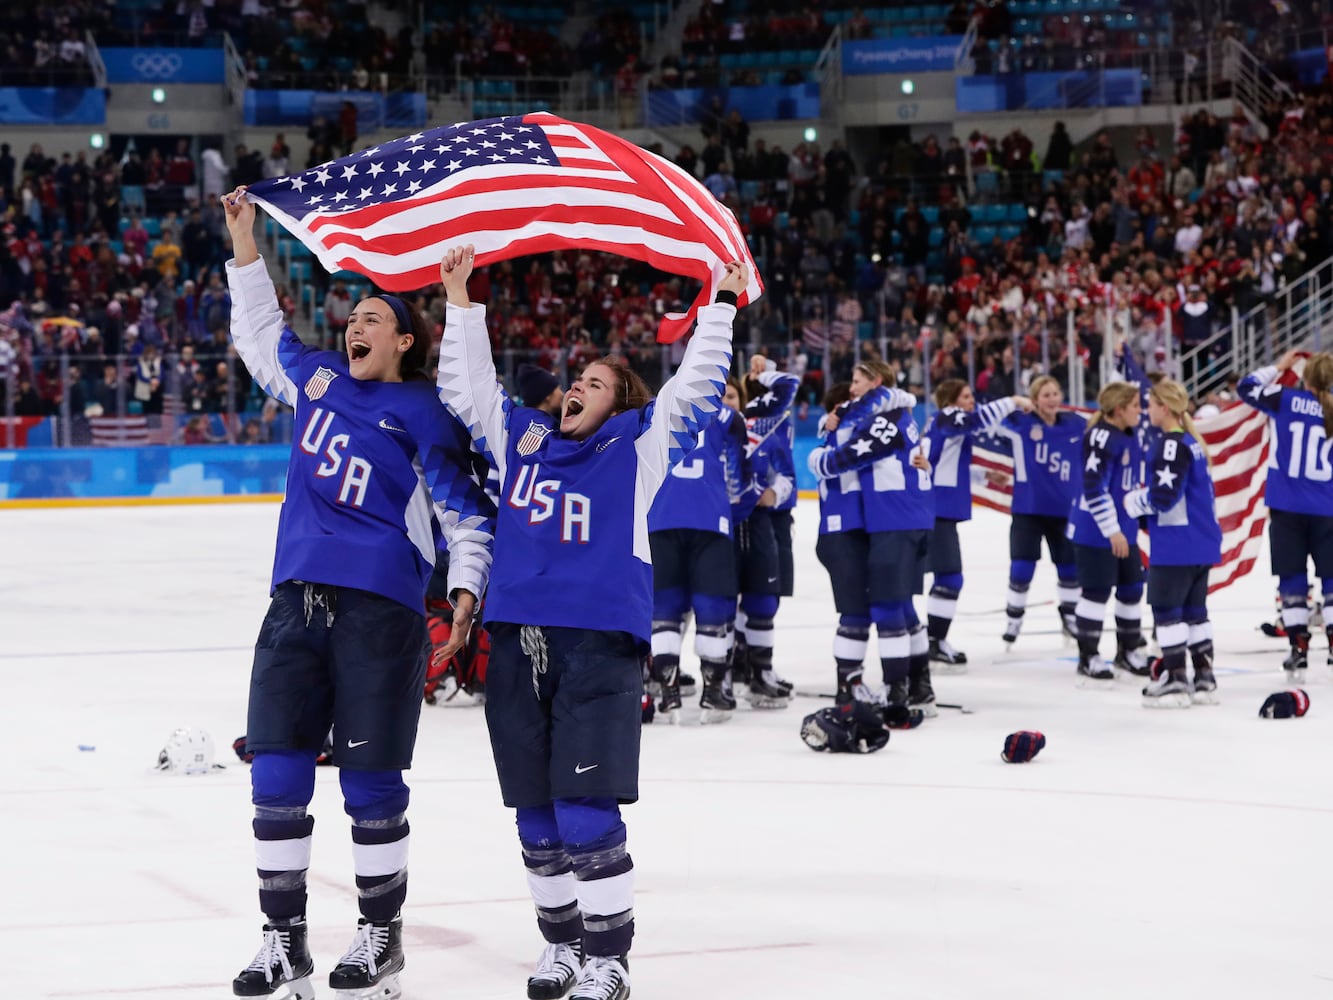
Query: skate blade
(1205, 698)
(688, 689)
(296, 989)
(387, 988)
(948, 667)
(1094, 683)
(670, 716)
(1295, 676)
(714, 716)
(1179, 700)
(926, 708)
(766, 701)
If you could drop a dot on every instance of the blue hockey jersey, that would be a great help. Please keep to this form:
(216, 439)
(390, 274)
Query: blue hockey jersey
(379, 476)
(1179, 502)
(1300, 472)
(840, 496)
(1046, 461)
(571, 546)
(949, 440)
(711, 485)
(1110, 464)
(768, 418)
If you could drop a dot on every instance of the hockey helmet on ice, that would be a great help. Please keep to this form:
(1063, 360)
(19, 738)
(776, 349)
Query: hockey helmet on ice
(188, 751)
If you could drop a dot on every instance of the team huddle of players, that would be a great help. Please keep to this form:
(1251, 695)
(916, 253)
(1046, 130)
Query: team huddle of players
(891, 497)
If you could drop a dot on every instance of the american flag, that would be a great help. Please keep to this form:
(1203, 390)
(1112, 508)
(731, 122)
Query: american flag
(510, 186)
(1237, 443)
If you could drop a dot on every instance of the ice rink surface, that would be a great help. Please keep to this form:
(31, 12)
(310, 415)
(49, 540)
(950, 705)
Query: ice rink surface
(1146, 854)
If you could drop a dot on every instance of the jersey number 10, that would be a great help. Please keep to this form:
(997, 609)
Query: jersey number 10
(1312, 440)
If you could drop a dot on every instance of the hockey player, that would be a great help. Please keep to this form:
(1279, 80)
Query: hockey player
(1186, 540)
(1299, 490)
(570, 614)
(694, 563)
(880, 565)
(949, 449)
(375, 463)
(1046, 445)
(1105, 537)
(768, 568)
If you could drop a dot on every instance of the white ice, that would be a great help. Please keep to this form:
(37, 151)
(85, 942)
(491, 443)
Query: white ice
(1153, 854)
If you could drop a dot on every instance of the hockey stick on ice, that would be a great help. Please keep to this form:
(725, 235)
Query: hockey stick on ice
(806, 693)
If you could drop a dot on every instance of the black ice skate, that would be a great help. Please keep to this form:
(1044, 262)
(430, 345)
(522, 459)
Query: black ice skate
(283, 966)
(1133, 661)
(1169, 689)
(949, 660)
(666, 675)
(1205, 686)
(1094, 672)
(604, 978)
(920, 693)
(717, 703)
(1298, 660)
(369, 970)
(1011, 629)
(897, 692)
(557, 971)
(764, 691)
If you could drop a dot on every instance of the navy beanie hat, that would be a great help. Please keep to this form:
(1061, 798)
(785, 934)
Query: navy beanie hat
(535, 384)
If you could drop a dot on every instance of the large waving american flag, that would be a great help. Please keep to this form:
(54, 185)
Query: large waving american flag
(510, 186)
(1237, 443)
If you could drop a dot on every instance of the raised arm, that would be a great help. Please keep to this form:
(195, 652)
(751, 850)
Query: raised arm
(268, 348)
(465, 512)
(467, 382)
(879, 439)
(690, 399)
(1261, 389)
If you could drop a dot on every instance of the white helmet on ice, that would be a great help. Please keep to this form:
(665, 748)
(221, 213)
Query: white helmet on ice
(188, 751)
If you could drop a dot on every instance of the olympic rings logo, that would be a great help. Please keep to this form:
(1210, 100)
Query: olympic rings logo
(156, 65)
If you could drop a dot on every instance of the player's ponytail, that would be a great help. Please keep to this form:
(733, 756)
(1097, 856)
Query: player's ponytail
(948, 391)
(1113, 396)
(1319, 380)
(1171, 395)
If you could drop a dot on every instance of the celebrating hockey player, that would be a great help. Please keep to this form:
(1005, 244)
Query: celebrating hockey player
(1105, 536)
(376, 466)
(1186, 540)
(570, 614)
(1045, 445)
(1299, 490)
(949, 444)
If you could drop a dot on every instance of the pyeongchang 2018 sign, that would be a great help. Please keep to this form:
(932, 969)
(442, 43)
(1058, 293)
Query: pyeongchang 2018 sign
(932, 54)
(125, 65)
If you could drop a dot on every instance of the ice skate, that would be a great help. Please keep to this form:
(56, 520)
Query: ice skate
(283, 966)
(669, 704)
(1297, 661)
(765, 693)
(1133, 661)
(716, 704)
(687, 684)
(1068, 627)
(1169, 689)
(604, 978)
(557, 971)
(1094, 672)
(1011, 629)
(896, 692)
(948, 659)
(1205, 686)
(369, 970)
(921, 695)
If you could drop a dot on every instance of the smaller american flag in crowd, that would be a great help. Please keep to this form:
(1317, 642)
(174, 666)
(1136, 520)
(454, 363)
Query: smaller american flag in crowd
(510, 186)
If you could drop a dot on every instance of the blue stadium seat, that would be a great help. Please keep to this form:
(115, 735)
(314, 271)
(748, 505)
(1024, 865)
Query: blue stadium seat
(984, 234)
(936, 238)
(987, 182)
(132, 197)
(1010, 231)
(1018, 212)
(153, 227)
(931, 213)
(865, 330)
(992, 214)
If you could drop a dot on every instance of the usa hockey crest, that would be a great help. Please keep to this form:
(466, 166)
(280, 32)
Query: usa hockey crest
(532, 438)
(318, 383)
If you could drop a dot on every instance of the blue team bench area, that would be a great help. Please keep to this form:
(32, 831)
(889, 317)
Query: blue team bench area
(300, 107)
(166, 471)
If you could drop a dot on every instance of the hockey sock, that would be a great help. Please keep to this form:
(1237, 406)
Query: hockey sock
(666, 650)
(1021, 572)
(1326, 585)
(919, 655)
(1129, 617)
(895, 646)
(604, 872)
(377, 803)
(1201, 637)
(942, 603)
(758, 611)
(1173, 635)
(551, 881)
(849, 648)
(1089, 617)
(1067, 589)
(1294, 591)
(713, 632)
(282, 784)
